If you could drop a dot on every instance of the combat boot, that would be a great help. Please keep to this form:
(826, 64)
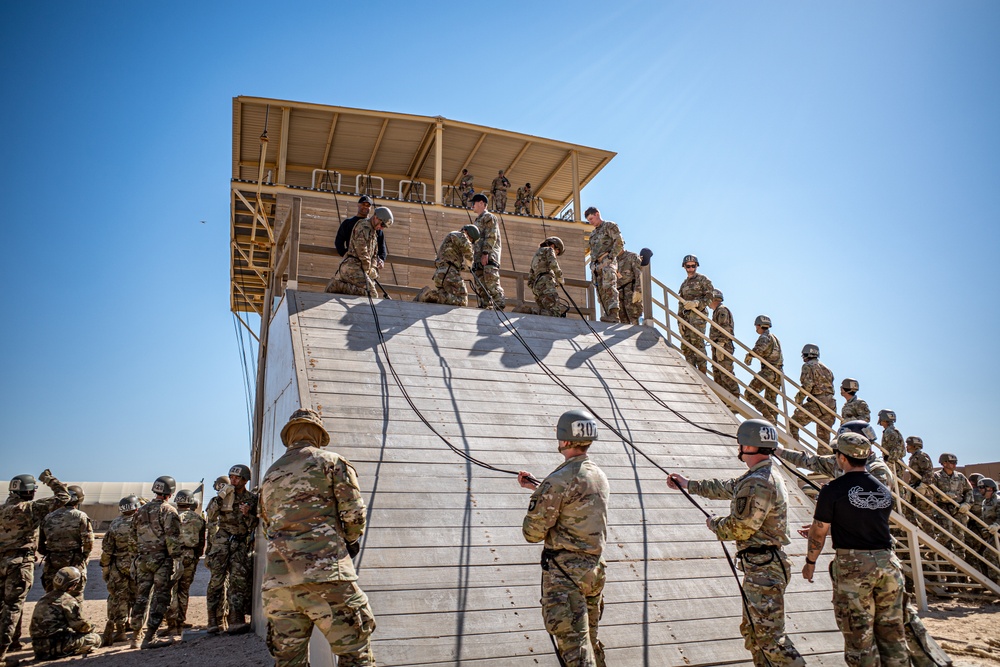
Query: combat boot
(138, 638)
(237, 624)
(108, 638)
(212, 627)
(610, 316)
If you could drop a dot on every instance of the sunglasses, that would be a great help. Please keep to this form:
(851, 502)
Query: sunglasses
(690, 266)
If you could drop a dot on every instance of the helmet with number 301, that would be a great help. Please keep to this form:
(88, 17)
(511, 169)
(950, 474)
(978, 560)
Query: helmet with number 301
(577, 426)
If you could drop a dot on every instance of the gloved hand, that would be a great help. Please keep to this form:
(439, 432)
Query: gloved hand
(691, 305)
(561, 281)
(748, 358)
(178, 570)
(46, 476)
(799, 398)
(353, 548)
(994, 529)
(964, 508)
(637, 297)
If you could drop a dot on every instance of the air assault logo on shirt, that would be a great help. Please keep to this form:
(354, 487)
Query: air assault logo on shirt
(870, 500)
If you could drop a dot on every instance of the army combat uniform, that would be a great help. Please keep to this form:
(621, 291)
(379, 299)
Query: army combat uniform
(544, 278)
(605, 245)
(856, 409)
(499, 190)
(957, 487)
(230, 559)
(66, 539)
(991, 517)
(19, 522)
(920, 463)
(768, 348)
(454, 256)
(826, 464)
(817, 380)
(757, 521)
(311, 510)
(697, 288)
(522, 205)
(358, 270)
(156, 530)
(892, 445)
(569, 511)
(58, 629)
(722, 323)
(487, 283)
(118, 552)
(192, 534)
(465, 189)
(629, 287)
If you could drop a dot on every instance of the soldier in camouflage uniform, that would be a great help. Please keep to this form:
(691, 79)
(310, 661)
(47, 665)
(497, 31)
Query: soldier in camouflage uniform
(313, 516)
(57, 626)
(991, 517)
(20, 517)
(569, 511)
(867, 577)
(453, 256)
(465, 188)
(358, 271)
(757, 521)
(892, 441)
(486, 257)
(767, 348)
(976, 479)
(826, 464)
(230, 554)
(605, 245)
(118, 551)
(522, 205)
(192, 547)
(696, 293)
(545, 276)
(957, 488)
(156, 531)
(722, 335)
(854, 408)
(66, 539)
(920, 464)
(629, 287)
(499, 190)
(816, 380)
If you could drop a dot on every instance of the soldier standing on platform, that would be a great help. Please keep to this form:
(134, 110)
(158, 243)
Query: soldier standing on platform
(767, 348)
(522, 205)
(499, 190)
(629, 287)
(118, 550)
(453, 256)
(758, 522)
(465, 188)
(545, 276)
(230, 555)
(605, 245)
(358, 271)
(569, 512)
(486, 257)
(817, 380)
(696, 293)
(66, 539)
(721, 334)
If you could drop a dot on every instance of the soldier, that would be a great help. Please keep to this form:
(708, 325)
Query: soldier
(347, 228)
(20, 517)
(545, 275)
(629, 287)
(854, 408)
(522, 205)
(569, 511)
(817, 380)
(118, 551)
(721, 334)
(605, 245)
(314, 517)
(920, 480)
(958, 489)
(66, 540)
(192, 547)
(358, 271)
(892, 441)
(696, 293)
(867, 576)
(758, 522)
(486, 257)
(499, 190)
(156, 531)
(57, 626)
(976, 479)
(991, 517)
(827, 464)
(453, 256)
(465, 188)
(229, 556)
(767, 348)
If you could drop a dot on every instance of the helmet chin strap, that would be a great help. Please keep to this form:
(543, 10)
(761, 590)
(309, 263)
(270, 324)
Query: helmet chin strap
(740, 450)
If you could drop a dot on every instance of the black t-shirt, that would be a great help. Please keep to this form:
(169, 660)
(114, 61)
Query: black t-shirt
(858, 507)
(344, 238)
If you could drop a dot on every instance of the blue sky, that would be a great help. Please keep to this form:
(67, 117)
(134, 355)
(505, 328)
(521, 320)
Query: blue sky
(834, 165)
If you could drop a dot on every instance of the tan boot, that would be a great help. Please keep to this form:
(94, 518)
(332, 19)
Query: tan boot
(138, 637)
(108, 638)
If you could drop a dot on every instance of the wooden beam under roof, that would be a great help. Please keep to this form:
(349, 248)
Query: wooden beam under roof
(378, 142)
(517, 158)
(283, 145)
(584, 182)
(329, 141)
(421, 155)
(468, 160)
(555, 172)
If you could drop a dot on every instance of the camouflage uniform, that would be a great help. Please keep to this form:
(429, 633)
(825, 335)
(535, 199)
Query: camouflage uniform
(722, 321)
(868, 603)
(465, 189)
(696, 288)
(230, 560)
(757, 521)
(956, 487)
(522, 205)
(768, 348)
(544, 278)
(118, 551)
(816, 379)
(826, 464)
(921, 464)
(856, 409)
(192, 533)
(66, 539)
(499, 190)
(58, 629)
(19, 522)
(991, 517)
(488, 276)
(605, 245)
(892, 445)
(311, 507)
(454, 256)
(629, 287)
(569, 511)
(156, 531)
(358, 269)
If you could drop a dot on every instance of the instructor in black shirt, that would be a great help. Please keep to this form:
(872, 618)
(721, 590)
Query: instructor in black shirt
(347, 226)
(867, 579)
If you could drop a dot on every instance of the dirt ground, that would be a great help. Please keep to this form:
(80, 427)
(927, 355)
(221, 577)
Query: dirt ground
(968, 628)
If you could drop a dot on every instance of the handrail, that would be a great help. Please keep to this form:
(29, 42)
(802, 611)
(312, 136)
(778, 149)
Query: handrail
(413, 184)
(361, 177)
(326, 178)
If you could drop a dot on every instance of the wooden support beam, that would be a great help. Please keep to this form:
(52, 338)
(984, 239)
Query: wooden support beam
(577, 214)
(378, 142)
(555, 172)
(257, 215)
(438, 161)
(468, 160)
(247, 327)
(590, 177)
(419, 158)
(293, 242)
(329, 141)
(237, 138)
(517, 158)
(283, 145)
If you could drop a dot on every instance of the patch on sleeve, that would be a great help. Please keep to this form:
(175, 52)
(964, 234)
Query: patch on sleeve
(741, 505)
(531, 505)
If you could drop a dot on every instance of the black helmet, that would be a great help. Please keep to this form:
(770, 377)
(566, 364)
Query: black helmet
(915, 441)
(859, 426)
(810, 351)
(240, 470)
(762, 321)
(556, 243)
(975, 477)
(757, 433)
(75, 490)
(989, 483)
(472, 232)
(164, 486)
(690, 258)
(185, 499)
(67, 579)
(480, 197)
(576, 426)
(644, 256)
(947, 457)
(129, 504)
(887, 416)
(23, 486)
(850, 385)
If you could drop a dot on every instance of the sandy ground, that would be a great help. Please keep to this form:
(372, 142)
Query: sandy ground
(968, 628)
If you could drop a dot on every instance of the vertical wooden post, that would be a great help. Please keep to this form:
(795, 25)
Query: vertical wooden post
(575, 164)
(283, 145)
(295, 220)
(438, 161)
(647, 296)
(917, 569)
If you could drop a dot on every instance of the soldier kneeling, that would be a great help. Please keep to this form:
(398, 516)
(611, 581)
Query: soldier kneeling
(57, 627)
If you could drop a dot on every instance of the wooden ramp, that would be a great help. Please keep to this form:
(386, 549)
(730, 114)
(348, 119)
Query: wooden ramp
(449, 575)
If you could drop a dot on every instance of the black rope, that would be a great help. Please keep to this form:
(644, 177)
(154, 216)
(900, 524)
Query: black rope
(506, 239)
